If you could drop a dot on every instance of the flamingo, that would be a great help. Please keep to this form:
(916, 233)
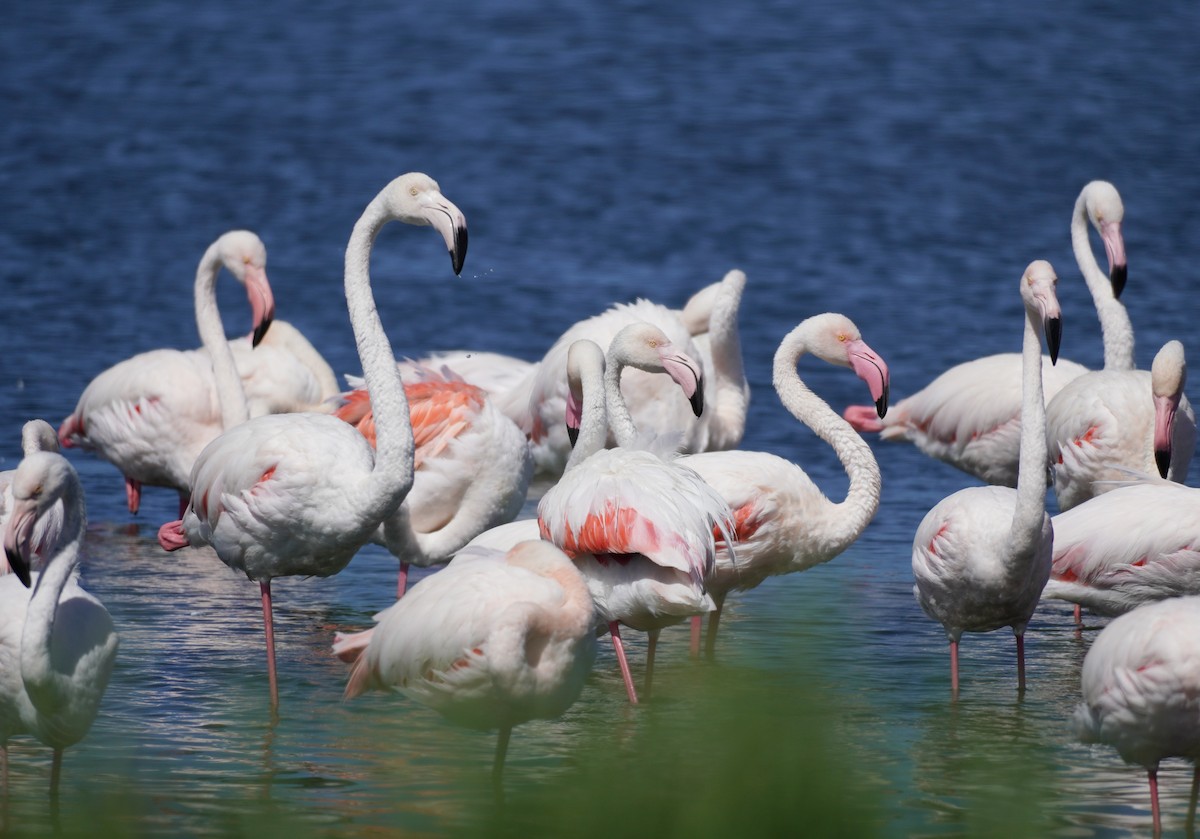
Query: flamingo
(494, 639)
(301, 493)
(57, 642)
(639, 525)
(981, 556)
(970, 415)
(537, 404)
(151, 414)
(1108, 422)
(473, 468)
(1135, 544)
(784, 523)
(36, 436)
(492, 372)
(1141, 689)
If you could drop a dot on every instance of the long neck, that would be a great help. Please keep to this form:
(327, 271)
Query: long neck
(849, 518)
(212, 334)
(1115, 326)
(1031, 470)
(731, 391)
(36, 668)
(593, 424)
(392, 476)
(620, 423)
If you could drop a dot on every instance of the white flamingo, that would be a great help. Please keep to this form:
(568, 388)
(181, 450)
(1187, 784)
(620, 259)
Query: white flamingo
(473, 467)
(784, 523)
(1104, 424)
(970, 415)
(36, 436)
(299, 494)
(57, 642)
(491, 641)
(151, 414)
(715, 420)
(1141, 689)
(1135, 544)
(982, 555)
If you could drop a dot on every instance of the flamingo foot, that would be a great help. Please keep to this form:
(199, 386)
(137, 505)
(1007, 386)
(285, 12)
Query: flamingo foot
(172, 537)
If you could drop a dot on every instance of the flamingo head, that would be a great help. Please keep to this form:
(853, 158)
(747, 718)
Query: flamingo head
(244, 254)
(646, 347)
(1168, 374)
(835, 339)
(415, 198)
(40, 480)
(582, 356)
(1039, 290)
(1106, 212)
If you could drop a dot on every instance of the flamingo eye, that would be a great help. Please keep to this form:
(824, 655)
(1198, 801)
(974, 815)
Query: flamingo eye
(413, 191)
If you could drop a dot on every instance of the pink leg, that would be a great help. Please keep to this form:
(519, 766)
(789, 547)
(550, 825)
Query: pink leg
(402, 582)
(615, 630)
(501, 751)
(55, 774)
(1153, 773)
(714, 623)
(954, 669)
(1021, 663)
(697, 622)
(270, 630)
(651, 648)
(1078, 615)
(133, 494)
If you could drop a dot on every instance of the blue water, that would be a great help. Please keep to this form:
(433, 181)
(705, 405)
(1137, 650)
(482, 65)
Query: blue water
(900, 163)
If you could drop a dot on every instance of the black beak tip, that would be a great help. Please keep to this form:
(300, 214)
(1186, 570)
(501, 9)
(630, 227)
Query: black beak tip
(1053, 338)
(260, 331)
(881, 404)
(1163, 460)
(458, 254)
(1117, 278)
(697, 401)
(18, 566)
(572, 434)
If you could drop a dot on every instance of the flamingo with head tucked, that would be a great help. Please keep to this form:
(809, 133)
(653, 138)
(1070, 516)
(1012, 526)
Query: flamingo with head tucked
(301, 493)
(57, 642)
(494, 639)
(1141, 689)
(981, 556)
(970, 415)
(36, 436)
(783, 522)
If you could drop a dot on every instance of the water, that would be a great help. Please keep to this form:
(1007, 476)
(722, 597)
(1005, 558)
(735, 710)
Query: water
(900, 163)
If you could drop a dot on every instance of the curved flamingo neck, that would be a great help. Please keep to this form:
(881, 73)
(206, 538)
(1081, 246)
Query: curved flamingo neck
(1115, 326)
(1031, 469)
(392, 475)
(230, 396)
(731, 391)
(620, 423)
(37, 670)
(593, 423)
(862, 496)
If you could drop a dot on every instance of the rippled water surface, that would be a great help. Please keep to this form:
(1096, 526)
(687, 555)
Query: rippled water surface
(900, 163)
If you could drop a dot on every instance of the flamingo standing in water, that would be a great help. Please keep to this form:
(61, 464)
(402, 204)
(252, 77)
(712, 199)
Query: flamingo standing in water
(473, 468)
(784, 522)
(538, 403)
(57, 642)
(1141, 689)
(151, 414)
(494, 639)
(301, 493)
(1132, 545)
(1108, 422)
(970, 415)
(36, 436)
(982, 555)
